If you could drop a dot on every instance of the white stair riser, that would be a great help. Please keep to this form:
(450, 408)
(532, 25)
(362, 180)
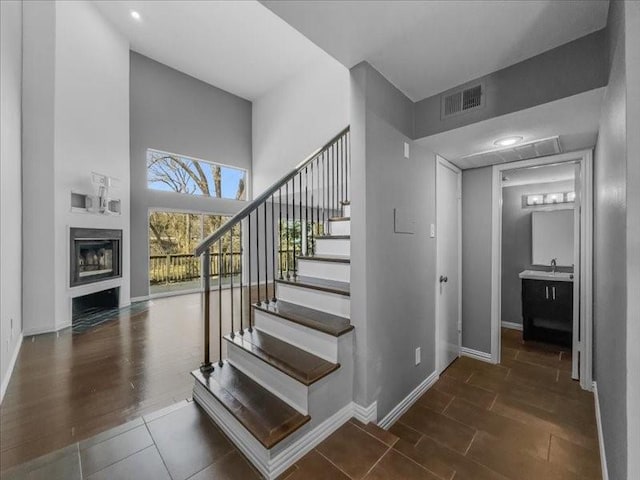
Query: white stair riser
(316, 299)
(280, 384)
(327, 270)
(315, 342)
(340, 227)
(333, 246)
(346, 211)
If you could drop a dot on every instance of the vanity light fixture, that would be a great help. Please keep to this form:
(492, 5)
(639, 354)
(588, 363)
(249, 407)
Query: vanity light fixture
(542, 199)
(135, 15)
(508, 141)
(551, 198)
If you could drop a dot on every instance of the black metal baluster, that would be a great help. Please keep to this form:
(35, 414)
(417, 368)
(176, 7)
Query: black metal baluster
(293, 214)
(249, 281)
(287, 232)
(206, 366)
(259, 302)
(219, 304)
(273, 252)
(241, 278)
(335, 177)
(344, 177)
(306, 212)
(295, 265)
(312, 212)
(266, 257)
(231, 281)
(280, 230)
(326, 188)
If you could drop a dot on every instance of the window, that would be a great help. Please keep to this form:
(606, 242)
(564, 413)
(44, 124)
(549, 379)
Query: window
(169, 172)
(173, 237)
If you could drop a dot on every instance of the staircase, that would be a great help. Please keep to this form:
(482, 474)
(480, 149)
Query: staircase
(285, 382)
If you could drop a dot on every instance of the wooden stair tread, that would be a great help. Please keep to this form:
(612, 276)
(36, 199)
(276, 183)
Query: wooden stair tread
(293, 361)
(308, 317)
(332, 286)
(332, 237)
(325, 258)
(269, 419)
(339, 219)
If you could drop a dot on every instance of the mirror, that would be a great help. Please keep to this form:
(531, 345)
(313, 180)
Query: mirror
(552, 237)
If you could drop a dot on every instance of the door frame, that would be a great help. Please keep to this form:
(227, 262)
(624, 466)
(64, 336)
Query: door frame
(445, 163)
(584, 270)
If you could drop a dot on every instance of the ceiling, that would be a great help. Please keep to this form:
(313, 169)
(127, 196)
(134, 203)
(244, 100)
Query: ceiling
(545, 174)
(426, 47)
(241, 47)
(574, 120)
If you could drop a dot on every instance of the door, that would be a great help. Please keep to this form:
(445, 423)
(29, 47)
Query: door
(448, 244)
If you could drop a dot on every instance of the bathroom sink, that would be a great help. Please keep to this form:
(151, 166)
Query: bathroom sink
(552, 276)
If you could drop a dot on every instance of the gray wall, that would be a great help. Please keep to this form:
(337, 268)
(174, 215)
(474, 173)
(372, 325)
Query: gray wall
(174, 112)
(632, 52)
(569, 69)
(10, 181)
(393, 275)
(476, 259)
(611, 254)
(516, 243)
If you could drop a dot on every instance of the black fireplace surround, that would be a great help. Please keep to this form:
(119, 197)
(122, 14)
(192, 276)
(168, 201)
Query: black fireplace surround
(95, 255)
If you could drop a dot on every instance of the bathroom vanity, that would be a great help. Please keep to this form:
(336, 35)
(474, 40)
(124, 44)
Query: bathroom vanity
(547, 306)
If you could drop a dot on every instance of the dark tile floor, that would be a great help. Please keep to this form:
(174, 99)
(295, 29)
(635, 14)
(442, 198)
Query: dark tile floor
(524, 419)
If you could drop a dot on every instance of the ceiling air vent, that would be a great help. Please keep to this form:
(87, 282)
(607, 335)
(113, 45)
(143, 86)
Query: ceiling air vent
(462, 101)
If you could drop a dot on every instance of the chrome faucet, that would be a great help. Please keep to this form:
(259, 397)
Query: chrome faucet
(553, 265)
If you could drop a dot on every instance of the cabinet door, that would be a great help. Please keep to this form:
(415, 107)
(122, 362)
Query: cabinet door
(562, 296)
(536, 298)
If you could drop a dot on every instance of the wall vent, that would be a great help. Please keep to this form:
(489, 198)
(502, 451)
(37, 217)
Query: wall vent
(462, 101)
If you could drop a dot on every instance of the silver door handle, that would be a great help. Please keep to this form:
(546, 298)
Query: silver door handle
(546, 292)
(443, 279)
(553, 289)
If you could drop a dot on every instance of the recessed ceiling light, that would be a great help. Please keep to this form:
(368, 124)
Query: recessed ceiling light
(508, 141)
(135, 15)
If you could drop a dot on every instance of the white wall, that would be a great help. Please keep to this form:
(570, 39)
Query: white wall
(76, 119)
(296, 118)
(10, 191)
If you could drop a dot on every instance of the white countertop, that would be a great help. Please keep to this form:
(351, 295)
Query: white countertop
(552, 276)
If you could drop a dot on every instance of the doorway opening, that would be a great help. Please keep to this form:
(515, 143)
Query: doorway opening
(541, 256)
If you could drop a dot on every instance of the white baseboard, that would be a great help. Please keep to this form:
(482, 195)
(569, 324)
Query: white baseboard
(139, 299)
(366, 414)
(409, 400)
(12, 363)
(27, 332)
(603, 456)
(477, 354)
(512, 325)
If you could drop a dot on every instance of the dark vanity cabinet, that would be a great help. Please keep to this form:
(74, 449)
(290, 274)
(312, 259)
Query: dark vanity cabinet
(547, 311)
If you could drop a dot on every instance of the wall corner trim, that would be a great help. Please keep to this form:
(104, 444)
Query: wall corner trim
(512, 325)
(476, 354)
(603, 456)
(366, 414)
(409, 400)
(12, 363)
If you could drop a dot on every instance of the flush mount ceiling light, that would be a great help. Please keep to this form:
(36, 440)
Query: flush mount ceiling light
(508, 141)
(135, 15)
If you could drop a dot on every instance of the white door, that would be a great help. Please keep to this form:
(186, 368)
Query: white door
(448, 244)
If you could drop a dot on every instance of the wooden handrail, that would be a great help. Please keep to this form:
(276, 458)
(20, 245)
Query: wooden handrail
(254, 204)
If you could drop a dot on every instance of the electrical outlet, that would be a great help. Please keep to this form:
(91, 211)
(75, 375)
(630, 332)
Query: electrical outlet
(418, 356)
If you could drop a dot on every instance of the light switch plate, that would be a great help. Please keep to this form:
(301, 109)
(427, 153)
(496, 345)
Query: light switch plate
(432, 230)
(406, 150)
(418, 353)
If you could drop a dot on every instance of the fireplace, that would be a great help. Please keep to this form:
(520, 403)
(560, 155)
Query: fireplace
(95, 255)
